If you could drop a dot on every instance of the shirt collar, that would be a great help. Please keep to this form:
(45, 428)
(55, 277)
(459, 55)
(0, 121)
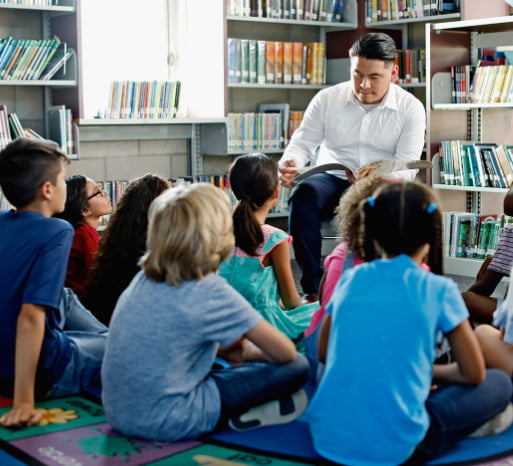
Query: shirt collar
(389, 101)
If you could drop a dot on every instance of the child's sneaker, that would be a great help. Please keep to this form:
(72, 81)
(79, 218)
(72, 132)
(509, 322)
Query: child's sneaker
(273, 412)
(496, 425)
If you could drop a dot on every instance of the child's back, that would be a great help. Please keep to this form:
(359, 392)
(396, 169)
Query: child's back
(392, 370)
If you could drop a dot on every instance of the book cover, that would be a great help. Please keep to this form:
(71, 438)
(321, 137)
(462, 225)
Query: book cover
(270, 57)
(261, 62)
(297, 63)
(233, 59)
(278, 62)
(252, 60)
(287, 62)
(244, 60)
(377, 167)
(508, 81)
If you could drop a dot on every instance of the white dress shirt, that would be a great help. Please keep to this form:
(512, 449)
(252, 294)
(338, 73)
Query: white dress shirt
(346, 131)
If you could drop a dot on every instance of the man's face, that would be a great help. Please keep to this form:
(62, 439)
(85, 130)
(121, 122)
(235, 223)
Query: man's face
(371, 79)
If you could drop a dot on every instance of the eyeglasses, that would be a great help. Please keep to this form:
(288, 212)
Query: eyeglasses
(100, 192)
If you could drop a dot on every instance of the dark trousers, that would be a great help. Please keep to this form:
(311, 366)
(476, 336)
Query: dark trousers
(312, 201)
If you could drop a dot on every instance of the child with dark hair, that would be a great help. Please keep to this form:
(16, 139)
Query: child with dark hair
(392, 310)
(345, 255)
(39, 358)
(122, 244)
(259, 267)
(178, 311)
(85, 204)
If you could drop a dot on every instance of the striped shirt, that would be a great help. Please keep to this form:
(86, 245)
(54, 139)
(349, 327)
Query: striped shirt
(503, 258)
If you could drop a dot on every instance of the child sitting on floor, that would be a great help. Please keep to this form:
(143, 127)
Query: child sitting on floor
(343, 257)
(259, 267)
(158, 377)
(38, 357)
(122, 245)
(481, 305)
(391, 310)
(497, 343)
(85, 204)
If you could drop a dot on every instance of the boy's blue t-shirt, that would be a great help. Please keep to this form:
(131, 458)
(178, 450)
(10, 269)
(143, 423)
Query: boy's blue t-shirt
(369, 408)
(34, 252)
(162, 343)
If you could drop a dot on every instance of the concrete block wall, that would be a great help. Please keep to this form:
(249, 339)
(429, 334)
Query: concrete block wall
(126, 160)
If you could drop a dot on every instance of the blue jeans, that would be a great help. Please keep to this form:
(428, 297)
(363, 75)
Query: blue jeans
(312, 201)
(311, 343)
(88, 338)
(253, 383)
(458, 410)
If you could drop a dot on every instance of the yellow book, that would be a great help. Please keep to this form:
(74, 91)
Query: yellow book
(495, 96)
(489, 83)
(508, 81)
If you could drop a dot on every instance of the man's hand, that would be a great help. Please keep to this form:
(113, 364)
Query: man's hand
(288, 170)
(20, 416)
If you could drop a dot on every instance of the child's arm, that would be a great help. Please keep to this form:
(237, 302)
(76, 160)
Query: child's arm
(324, 337)
(497, 353)
(275, 346)
(29, 338)
(280, 258)
(469, 367)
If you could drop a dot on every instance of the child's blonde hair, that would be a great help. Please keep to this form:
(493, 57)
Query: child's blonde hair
(190, 232)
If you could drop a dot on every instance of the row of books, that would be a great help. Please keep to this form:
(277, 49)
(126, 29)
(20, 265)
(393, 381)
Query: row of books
(261, 131)
(306, 10)
(390, 10)
(30, 2)
(467, 234)
(412, 66)
(273, 62)
(31, 59)
(223, 183)
(468, 163)
(143, 99)
(60, 125)
(482, 84)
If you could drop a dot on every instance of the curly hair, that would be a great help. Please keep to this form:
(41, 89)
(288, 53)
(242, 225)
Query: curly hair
(123, 243)
(347, 214)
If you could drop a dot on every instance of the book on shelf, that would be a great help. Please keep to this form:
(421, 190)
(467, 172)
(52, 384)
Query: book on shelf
(473, 236)
(56, 63)
(468, 163)
(385, 10)
(60, 129)
(283, 110)
(275, 62)
(301, 10)
(376, 167)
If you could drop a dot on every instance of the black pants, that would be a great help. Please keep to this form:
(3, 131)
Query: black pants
(312, 201)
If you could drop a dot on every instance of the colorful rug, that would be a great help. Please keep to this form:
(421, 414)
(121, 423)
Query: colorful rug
(75, 432)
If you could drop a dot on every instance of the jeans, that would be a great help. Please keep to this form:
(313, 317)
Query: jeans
(311, 342)
(458, 410)
(253, 383)
(88, 338)
(312, 201)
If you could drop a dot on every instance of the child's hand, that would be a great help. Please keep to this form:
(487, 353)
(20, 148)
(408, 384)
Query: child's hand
(234, 353)
(20, 416)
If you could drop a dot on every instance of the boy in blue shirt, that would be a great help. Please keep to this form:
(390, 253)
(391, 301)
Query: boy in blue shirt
(39, 359)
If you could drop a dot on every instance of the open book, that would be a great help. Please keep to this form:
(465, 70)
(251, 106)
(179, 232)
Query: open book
(378, 167)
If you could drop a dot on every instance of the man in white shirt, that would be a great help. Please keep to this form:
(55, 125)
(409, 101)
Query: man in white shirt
(355, 122)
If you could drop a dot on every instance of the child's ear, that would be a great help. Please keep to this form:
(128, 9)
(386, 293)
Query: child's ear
(276, 192)
(46, 190)
(86, 212)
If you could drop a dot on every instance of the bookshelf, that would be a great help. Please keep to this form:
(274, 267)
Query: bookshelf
(240, 97)
(457, 43)
(31, 98)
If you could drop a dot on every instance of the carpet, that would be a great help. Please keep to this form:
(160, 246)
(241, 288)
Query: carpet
(75, 432)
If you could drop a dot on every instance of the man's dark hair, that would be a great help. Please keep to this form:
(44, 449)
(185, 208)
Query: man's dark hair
(374, 46)
(25, 164)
